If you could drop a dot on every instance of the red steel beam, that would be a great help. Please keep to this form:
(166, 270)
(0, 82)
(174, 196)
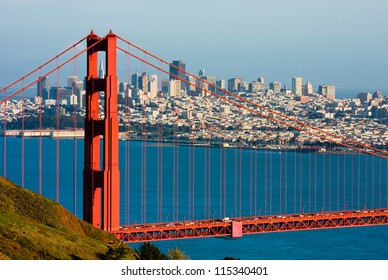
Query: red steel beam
(251, 225)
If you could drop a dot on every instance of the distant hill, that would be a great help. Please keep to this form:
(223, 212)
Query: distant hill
(34, 227)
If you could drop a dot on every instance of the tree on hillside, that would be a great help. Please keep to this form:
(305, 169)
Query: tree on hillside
(148, 251)
(177, 254)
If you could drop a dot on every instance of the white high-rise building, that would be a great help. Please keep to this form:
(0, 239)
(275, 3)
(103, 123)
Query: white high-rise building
(72, 100)
(297, 86)
(153, 86)
(174, 88)
(72, 81)
(81, 98)
(308, 89)
(101, 71)
(327, 91)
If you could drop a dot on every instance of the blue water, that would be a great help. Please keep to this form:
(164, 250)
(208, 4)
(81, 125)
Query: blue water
(301, 182)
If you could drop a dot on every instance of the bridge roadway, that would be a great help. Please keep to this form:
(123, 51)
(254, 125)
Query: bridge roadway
(262, 224)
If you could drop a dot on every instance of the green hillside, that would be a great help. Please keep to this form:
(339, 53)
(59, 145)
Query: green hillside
(33, 227)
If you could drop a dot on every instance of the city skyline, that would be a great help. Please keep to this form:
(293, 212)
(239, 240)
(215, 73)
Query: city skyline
(249, 39)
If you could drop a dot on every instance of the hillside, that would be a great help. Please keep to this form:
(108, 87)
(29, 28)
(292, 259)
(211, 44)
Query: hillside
(33, 227)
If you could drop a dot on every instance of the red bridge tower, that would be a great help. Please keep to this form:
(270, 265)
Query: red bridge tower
(101, 197)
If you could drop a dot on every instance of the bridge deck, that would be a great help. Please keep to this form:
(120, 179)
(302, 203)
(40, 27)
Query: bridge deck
(251, 225)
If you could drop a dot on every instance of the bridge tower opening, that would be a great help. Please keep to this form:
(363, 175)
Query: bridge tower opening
(101, 183)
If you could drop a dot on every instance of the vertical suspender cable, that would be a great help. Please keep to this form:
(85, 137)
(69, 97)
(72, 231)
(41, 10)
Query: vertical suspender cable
(175, 171)
(324, 182)
(338, 181)
(127, 144)
(221, 165)
(380, 175)
(224, 150)
(373, 182)
(58, 111)
(352, 183)
(330, 176)
(160, 158)
(22, 133)
(358, 180)
(315, 181)
(280, 182)
(265, 179)
(190, 163)
(208, 183)
(300, 183)
(295, 177)
(250, 179)
(286, 176)
(235, 181)
(144, 139)
(204, 182)
(74, 138)
(240, 192)
(270, 182)
(40, 134)
(344, 181)
(366, 182)
(309, 181)
(255, 171)
(5, 137)
(193, 179)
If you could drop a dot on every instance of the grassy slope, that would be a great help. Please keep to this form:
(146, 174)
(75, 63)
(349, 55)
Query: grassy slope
(33, 227)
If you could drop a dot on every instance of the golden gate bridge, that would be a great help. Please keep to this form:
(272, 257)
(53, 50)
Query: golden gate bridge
(101, 174)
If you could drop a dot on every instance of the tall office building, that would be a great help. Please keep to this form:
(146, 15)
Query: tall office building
(233, 84)
(143, 82)
(365, 97)
(260, 80)
(220, 84)
(101, 71)
(71, 81)
(135, 80)
(308, 89)
(275, 87)
(327, 91)
(174, 88)
(297, 85)
(202, 73)
(43, 88)
(256, 86)
(153, 86)
(178, 74)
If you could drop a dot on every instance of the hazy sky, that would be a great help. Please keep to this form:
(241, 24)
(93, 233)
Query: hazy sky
(341, 42)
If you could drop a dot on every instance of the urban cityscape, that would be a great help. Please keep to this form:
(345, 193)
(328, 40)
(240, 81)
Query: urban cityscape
(183, 112)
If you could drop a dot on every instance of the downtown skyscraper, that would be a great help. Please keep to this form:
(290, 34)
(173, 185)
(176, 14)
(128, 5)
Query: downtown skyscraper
(176, 74)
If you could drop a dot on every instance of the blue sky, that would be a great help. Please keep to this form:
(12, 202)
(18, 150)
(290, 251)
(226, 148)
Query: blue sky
(341, 42)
